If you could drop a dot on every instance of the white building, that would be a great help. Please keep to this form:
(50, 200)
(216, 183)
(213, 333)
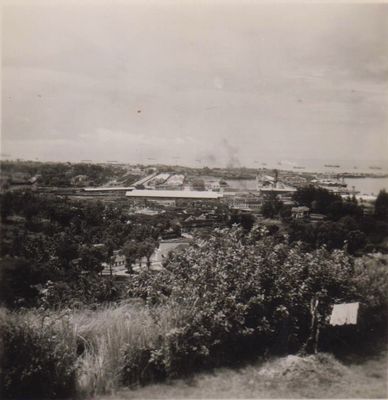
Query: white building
(174, 194)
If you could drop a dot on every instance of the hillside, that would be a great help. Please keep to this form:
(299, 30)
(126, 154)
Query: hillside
(318, 376)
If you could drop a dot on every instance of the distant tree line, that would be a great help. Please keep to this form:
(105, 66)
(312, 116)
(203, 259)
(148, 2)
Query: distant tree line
(48, 238)
(63, 174)
(345, 224)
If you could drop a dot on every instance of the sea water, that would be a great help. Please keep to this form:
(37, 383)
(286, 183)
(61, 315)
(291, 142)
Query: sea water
(370, 186)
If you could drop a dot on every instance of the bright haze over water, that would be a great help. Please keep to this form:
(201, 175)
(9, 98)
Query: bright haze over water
(236, 83)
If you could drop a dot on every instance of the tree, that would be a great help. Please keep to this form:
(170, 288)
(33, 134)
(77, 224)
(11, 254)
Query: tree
(331, 234)
(242, 293)
(245, 220)
(6, 205)
(271, 206)
(19, 279)
(285, 213)
(198, 184)
(66, 249)
(317, 198)
(381, 205)
(304, 232)
(92, 258)
(147, 249)
(356, 240)
(131, 253)
(339, 208)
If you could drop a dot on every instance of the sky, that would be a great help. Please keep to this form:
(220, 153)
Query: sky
(211, 82)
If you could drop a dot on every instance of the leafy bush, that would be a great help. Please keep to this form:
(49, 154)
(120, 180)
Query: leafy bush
(244, 294)
(141, 366)
(234, 296)
(246, 220)
(36, 362)
(88, 289)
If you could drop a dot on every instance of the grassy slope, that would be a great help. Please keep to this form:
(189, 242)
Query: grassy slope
(320, 376)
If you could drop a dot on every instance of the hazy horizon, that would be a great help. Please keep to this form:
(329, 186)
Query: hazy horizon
(194, 83)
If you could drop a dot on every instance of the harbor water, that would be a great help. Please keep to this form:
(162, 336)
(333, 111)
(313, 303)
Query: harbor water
(367, 186)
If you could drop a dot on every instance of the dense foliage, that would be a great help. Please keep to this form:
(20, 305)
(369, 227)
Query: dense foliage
(244, 219)
(235, 296)
(61, 174)
(381, 206)
(346, 224)
(245, 290)
(243, 294)
(36, 363)
(66, 241)
(320, 200)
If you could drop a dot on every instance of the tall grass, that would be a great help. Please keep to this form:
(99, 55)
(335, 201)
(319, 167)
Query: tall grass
(86, 352)
(104, 336)
(105, 341)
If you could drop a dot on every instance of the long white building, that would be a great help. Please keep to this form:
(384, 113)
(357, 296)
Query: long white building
(174, 194)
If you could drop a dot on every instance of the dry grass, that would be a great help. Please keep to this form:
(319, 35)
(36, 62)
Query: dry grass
(108, 334)
(318, 376)
(103, 337)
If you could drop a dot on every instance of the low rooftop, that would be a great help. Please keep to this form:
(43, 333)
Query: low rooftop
(176, 194)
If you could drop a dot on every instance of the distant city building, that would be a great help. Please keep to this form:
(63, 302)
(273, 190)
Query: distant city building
(160, 254)
(116, 266)
(175, 180)
(80, 180)
(300, 212)
(245, 203)
(108, 189)
(174, 194)
(317, 217)
(267, 184)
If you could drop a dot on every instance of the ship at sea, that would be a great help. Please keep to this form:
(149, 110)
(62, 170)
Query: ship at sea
(333, 184)
(332, 166)
(374, 167)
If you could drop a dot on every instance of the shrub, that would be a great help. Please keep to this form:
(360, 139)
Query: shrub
(244, 295)
(235, 296)
(36, 362)
(142, 365)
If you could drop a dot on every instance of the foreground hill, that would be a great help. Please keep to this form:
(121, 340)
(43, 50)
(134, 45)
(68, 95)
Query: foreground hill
(315, 376)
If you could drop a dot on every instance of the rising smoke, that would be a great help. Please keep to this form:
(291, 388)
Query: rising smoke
(231, 151)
